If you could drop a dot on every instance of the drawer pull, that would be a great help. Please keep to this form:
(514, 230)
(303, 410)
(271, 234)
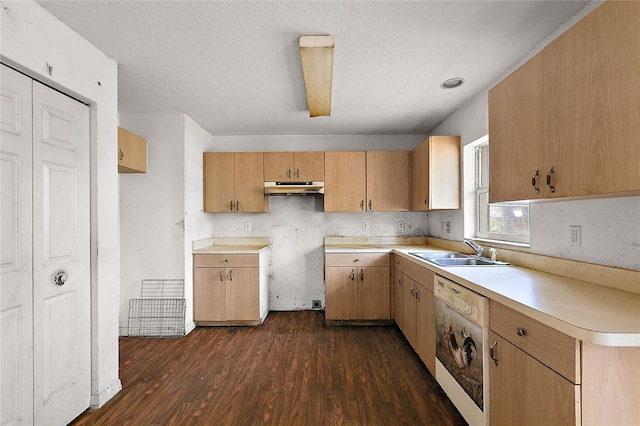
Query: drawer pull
(534, 181)
(361, 274)
(353, 275)
(492, 353)
(520, 332)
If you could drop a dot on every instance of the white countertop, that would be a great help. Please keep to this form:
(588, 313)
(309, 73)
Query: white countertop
(585, 311)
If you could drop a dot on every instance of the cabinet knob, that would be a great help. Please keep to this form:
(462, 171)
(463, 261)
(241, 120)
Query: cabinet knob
(520, 332)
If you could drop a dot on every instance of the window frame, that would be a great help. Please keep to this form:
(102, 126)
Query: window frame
(481, 190)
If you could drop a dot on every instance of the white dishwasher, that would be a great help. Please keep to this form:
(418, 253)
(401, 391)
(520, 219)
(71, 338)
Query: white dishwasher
(462, 337)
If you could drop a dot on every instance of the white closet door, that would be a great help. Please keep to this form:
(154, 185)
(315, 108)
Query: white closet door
(16, 315)
(61, 261)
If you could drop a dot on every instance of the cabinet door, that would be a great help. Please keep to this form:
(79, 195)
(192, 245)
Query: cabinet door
(218, 174)
(341, 298)
(132, 152)
(387, 181)
(426, 328)
(593, 98)
(374, 294)
(249, 182)
(410, 325)
(209, 294)
(444, 172)
(398, 297)
(420, 177)
(516, 133)
(243, 294)
(278, 166)
(525, 392)
(345, 182)
(308, 166)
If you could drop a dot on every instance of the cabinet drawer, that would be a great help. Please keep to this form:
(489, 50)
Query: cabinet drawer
(398, 262)
(420, 274)
(356, 259)
(226, 260)
(553, 348)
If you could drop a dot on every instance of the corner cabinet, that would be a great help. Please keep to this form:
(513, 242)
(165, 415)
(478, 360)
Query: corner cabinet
(294, 166)
(367, 181)
(565, 123)
(234, 182)
(229, 289)
(435, 174)
(132, 152)
(357, 286)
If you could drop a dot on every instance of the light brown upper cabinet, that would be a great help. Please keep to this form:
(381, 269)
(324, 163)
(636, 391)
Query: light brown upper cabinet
(565, 124)
(345, 183)
(435, 174)
(234, 182)
(294, 166)
(132, 152)
(366, 181)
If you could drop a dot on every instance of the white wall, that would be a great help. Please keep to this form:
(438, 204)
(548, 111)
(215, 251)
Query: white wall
(152, 208)
(610, 226)
(31, 39)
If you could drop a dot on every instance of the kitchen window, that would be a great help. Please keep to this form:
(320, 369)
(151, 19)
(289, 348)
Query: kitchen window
(507, 222)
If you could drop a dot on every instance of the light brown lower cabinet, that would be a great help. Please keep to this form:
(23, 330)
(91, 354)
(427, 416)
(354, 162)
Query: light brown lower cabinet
(357, 286)
(543, 376)
(526, 392)
(413, 308)
(229, 295)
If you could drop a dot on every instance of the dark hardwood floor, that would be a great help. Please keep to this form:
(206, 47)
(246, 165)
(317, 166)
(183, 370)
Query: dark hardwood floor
(292, 370)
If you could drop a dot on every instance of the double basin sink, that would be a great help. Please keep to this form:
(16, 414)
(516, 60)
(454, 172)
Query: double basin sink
(456, 259)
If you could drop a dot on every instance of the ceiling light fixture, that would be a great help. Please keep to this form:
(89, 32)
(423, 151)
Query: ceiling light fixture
(316, 54)
(452, 83)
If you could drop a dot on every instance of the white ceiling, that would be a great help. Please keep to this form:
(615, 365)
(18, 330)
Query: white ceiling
(234, 66)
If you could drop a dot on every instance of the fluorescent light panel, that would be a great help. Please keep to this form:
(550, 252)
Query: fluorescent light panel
(316, 54)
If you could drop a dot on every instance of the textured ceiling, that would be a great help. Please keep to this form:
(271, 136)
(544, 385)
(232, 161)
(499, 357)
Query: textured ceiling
(234, 66)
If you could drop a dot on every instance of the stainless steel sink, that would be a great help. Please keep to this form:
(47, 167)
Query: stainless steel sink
(427, 255)
(457, 259)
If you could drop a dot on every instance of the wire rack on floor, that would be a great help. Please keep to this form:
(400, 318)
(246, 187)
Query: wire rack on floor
(160, 311)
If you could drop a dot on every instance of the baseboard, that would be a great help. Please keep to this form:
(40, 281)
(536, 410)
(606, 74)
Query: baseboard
(102, 398)
(189, 328)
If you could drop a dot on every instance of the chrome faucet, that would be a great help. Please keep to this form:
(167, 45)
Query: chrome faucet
(480, 250)
(475, 246)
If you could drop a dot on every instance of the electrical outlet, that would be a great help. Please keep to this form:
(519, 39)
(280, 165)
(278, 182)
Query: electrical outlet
(448, 227)
(365, 226)
(402, 225)
(316, 304)
(575, 235)
(247, 226)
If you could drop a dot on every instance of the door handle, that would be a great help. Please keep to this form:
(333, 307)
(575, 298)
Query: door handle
(59, 277)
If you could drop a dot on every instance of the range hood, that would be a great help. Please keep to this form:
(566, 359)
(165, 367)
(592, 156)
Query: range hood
(294, 188)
